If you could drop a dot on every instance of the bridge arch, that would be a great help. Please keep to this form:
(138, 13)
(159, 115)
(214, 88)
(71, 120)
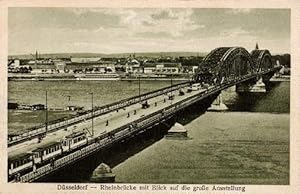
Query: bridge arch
(225, 63)
(262, 60)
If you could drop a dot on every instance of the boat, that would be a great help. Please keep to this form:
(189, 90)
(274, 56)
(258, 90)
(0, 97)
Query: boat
(97, 76)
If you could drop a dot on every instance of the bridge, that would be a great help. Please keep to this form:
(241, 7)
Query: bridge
(47, 148)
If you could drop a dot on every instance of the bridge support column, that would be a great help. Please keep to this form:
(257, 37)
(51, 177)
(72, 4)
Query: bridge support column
(218, 104)
(259, 86)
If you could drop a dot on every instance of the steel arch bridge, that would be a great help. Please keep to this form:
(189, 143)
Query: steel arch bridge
(229, 63)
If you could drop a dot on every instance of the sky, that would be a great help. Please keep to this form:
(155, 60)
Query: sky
(126, 30)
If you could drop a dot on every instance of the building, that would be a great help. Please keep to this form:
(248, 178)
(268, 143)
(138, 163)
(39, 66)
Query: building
(24, 107)
(99, 67)
(38, 107)
(133, 66)
(149, 68)
(162, 68)
(74, 108)
(85, 59)
(43, 69)
(60, 66)
(13, 105)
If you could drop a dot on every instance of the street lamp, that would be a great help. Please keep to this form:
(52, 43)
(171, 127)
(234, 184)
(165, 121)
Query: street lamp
(46, 114)
(92, 94)
(140, 87)
(171, 88)
(42, 135)
(69, 98)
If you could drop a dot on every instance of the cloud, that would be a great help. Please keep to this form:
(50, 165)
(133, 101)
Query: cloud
(81, 11)
(112, 30)
(174, 22)
(235, 32)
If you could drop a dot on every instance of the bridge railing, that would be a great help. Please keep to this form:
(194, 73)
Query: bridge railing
(56, 124)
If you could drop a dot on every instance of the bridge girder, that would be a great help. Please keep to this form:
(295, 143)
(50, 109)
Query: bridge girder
(226, 63)
(262, 59)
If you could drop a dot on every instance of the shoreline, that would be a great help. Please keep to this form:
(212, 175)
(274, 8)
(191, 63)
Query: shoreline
(65, 77)
(72, 78)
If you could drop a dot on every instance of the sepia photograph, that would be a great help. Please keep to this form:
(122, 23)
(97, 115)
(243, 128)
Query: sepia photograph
(149, 96)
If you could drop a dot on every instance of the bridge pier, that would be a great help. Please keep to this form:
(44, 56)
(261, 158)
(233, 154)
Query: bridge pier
(218, 104)
(258, 86)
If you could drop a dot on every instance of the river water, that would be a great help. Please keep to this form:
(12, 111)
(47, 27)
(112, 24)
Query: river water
(249, 144)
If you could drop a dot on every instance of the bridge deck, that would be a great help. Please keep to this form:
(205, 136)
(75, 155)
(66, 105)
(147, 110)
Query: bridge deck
(115, 120)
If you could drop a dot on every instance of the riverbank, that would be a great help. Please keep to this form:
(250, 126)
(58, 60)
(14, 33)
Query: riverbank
(72, 77)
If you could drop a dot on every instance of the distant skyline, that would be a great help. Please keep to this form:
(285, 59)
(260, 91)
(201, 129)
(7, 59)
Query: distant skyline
(116, 30)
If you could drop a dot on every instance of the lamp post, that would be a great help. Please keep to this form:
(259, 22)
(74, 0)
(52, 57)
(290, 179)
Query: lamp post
(171, 88)
(92, 94)
(68, 105)
(46, 114)
(140, 87)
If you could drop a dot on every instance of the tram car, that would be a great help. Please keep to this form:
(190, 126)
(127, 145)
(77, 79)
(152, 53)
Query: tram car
(22, 163)
(74, 141)
(46, 152)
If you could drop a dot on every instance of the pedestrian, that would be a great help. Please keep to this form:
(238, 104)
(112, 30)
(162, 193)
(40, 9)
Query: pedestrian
(128, 115)
(106, 123)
